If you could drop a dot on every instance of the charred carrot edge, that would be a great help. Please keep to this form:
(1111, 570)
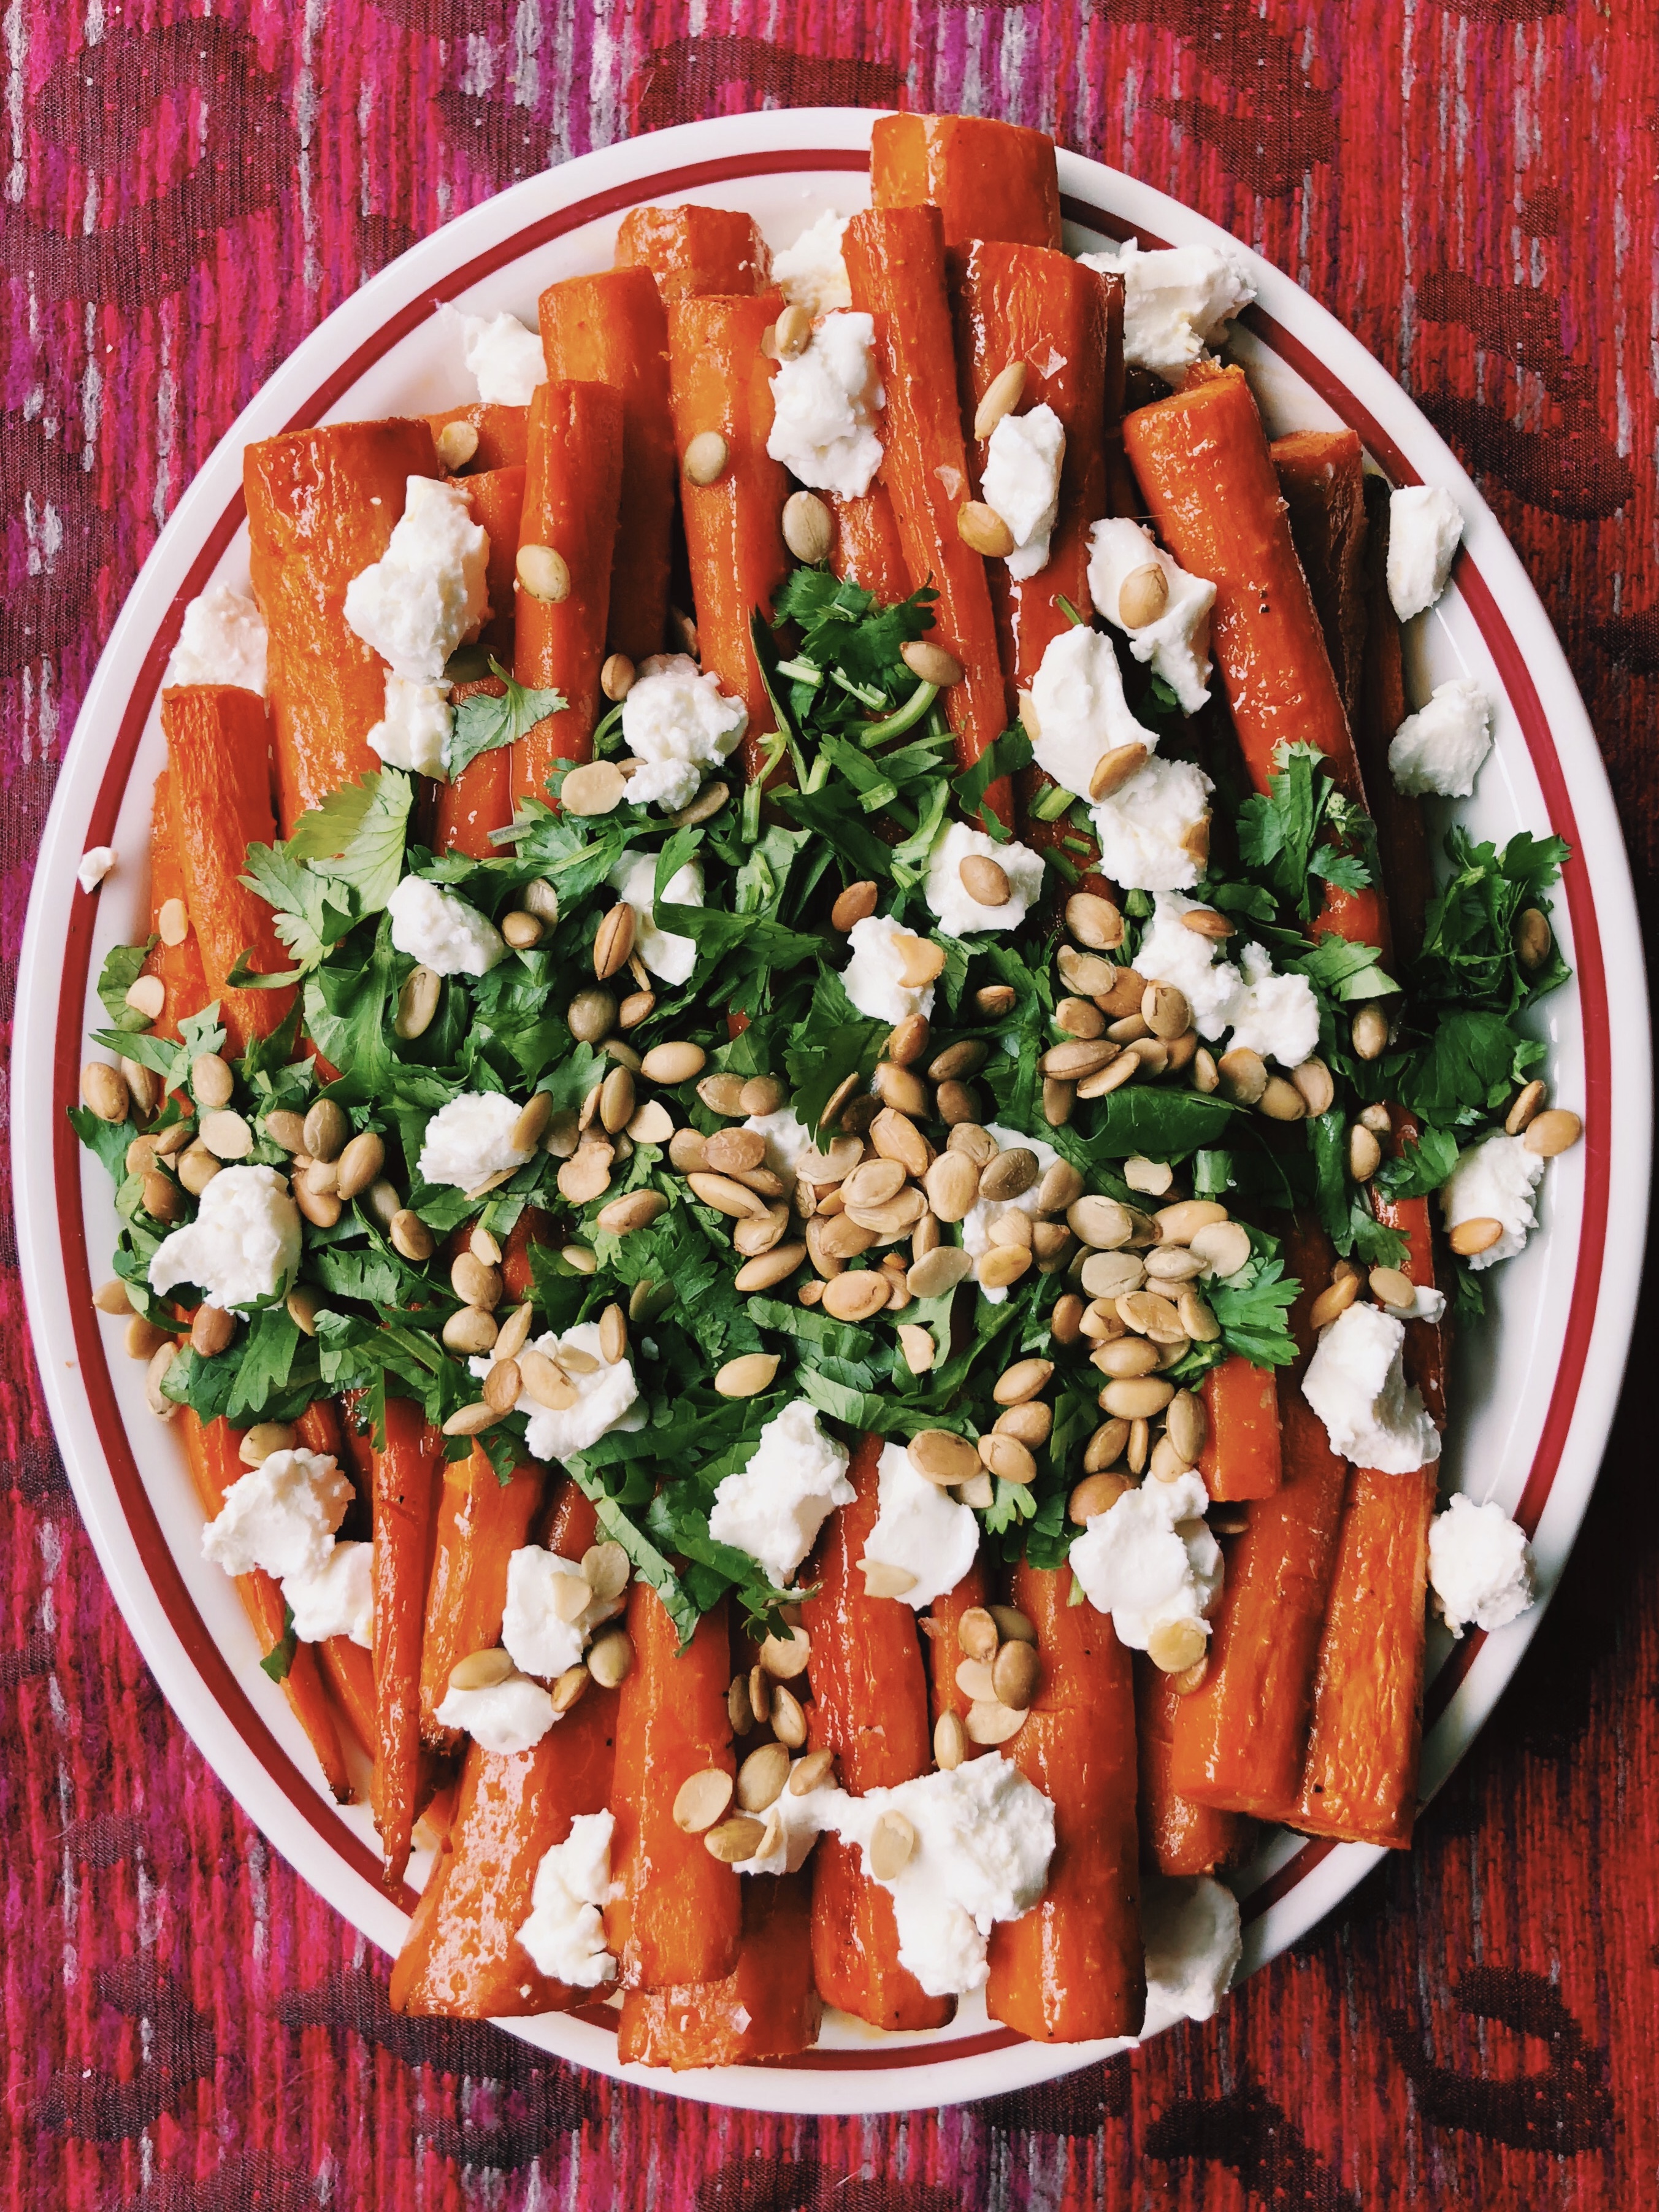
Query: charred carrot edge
(572, 488)
(720, 381)
(1072, 1967)
(943, 1651)
(867, 549)
(1426, 1341)
(1242, 1453)
(988, 179)
(895, 265)
(610, 328)
(1239, 1737)
(321, 505)
(1323, 476)
(482, 1521)
(480, 799)
(768, 2007)
(501, 432)
(692, 250)
(405, 1495)
(1178, 1836)
(179, 966)
(1402, 840)
(679, 1915)
(870, 1708)
(219, 762)
(212, 1450)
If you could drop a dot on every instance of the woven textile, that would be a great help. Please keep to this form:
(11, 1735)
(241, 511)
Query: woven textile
(1471, 188)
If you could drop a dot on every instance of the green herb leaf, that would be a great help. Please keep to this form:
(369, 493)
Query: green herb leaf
(482, 724)
(123, 966)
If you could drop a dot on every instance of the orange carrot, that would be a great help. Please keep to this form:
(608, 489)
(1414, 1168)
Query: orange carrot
(1322, 474)
(572, 482)
(1178, 1836)
(533, 1227)
(480, 799)
(1425, 1357)
(942, 1648)
(870, 1708)
(1072, 1967)
(610, 328)
(1403, 840)
(867, 549)
(1241, 1456)
(501, 434)
(179, 966)
(988, 179)
(692, 250)
(482, 1521)
(497, 499)
(895, 264)
(405, 1497)
(321, 505)
(766, 2007)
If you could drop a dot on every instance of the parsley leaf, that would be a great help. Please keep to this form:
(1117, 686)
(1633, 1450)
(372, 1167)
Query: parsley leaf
(1302, 829)
(482, 723)
(123, 965)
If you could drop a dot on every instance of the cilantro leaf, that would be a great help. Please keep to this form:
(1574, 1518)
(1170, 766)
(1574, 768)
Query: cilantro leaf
(1422, 1165)
(372, 858)
(482, 723)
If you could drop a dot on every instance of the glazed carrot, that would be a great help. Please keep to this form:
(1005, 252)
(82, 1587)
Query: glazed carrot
(501, 434)
(497, 499)
(1072, 1967)
(572, 485)
(480, 799)
(1239, 1737)
(321, 505)
(720, 381)
(610, 328)
(213, 1451)
(942, 1648)
(692, 250)
(219, 758)
(406, 1485)
(870, 1708)
(348, 1668)
(895, 264)
(1425, 1356)
(1322, 474)
(1178, 1836)
(988, 180)
(679, 1915)
(867, 549)
(482, 1521)
(1402, 841)
(179, 966)
(768, 2007)
(1241, 1457)
(531, 1228)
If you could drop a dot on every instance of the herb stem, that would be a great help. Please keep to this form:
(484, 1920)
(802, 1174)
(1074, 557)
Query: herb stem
(903, 719)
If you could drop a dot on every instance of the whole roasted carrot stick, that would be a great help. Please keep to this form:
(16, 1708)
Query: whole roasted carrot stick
(768, 2007)
(1072, 1967)
(405, 1498)
(497, 499)
(482, 1521)
(1239, 1736)
(679, 1914)
(942, 1647)
(179, 966)
(1241, 1455)
(348, 1668)
(480, 799)
(895, 265)
(1403, 840)
(868, 549)
(870, 1708)
(988, 180)
(321, 506)
(1178, 1836)
(692, 250)
(610, 328)
(572, 487)
(1322, 474)
(219, 755)
(502, 431)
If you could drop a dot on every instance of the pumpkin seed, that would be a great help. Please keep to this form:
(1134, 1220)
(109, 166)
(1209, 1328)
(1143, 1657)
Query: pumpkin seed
(747, 1376)
(701, 1799)
(611, 1658)
(1553, 1132)
(943, 1457)
(993, 1723)
(882, 1580)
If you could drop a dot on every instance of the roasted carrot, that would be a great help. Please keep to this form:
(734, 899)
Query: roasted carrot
(768, 2007)
(219, 759)
(867, 549)
(895, 265)
(1241, 1457)
(348, 1667)
(610, 328)
(572, 486)
(480, 799)
(692, 250)
(1178, 1836)
(405, 1499)
(1402, 840)
(679, 1914)
(321, 505)
(1322, 474)
(870, 1708)
(482, 1521)
(531, 1228)
(501, 434)
(497, 499)
(179, 966)
(988, 179)
(1239, 1737)
(942, 1647)
(1072, 1967)
(1425, 1355)
(720, 381)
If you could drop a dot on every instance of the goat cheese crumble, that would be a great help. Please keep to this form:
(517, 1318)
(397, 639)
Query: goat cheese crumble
(507, 1716)
(95, 864)
(959, 913)
(825, 403)
(1021, 483)
(677, 721)
(429, 589)
(813, 272)
(279, 1518)
(1153, 831)
(469, 1140)
(1194, 1941)
(1151, 1561)
(336, 1598)
(873, 978)
(441, 930)
(413, 730)
(504, 355)
(222, 640)
(1481, 1568)
(1081, 712)
(565, 1932)
(243, 1246)
(1425, 526)
(920, 1529)
(786, 1138)
(1177, 300)
(1277, 1015)
(538, 1639)
(774, 1508)
(1356, 1384)
(1171, 953)
(1177, 644)
(670, 957)
(1440, 748)
(1493, 1181)
(607, 1396)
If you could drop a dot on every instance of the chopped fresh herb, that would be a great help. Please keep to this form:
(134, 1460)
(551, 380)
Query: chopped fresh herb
(482, 723)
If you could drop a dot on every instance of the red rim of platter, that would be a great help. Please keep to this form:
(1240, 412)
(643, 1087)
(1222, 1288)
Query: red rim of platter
(141, 1524)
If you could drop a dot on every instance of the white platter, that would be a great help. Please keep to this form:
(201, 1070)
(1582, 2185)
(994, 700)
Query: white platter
(1534, 1390)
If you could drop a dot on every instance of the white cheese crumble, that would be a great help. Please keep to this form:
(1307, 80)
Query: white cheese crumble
(243, 1246)
(1149, 830)
(786, 1138)
(669, 958)
(1171, 953)
(1193, 1938)
(1427, 1304)
(920, 1528)
(1277, 1015)
(510, 1715)
(812, 273)
(565, 1932)
(95, 864)
(279, 1517)
(985, 1212)
(1441, 747)
(538, 1641)
(337, 1599)
(873, 978)
(774, 1508)
(1177, 300)
(414, 729)
(430, 588)
(441, 930)
(222, 640)
(1425, 525)
(800, 1821)
(1492, 1181)
(607, 1396)
(468, 1142)
(1081, 711)
(959, 913)
(1356, 1384)
(825, 405)
(677, 721)
(1481, 1568)
(1177, 644)
(505, 356)
(1021, 483)
(1151, 1561)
